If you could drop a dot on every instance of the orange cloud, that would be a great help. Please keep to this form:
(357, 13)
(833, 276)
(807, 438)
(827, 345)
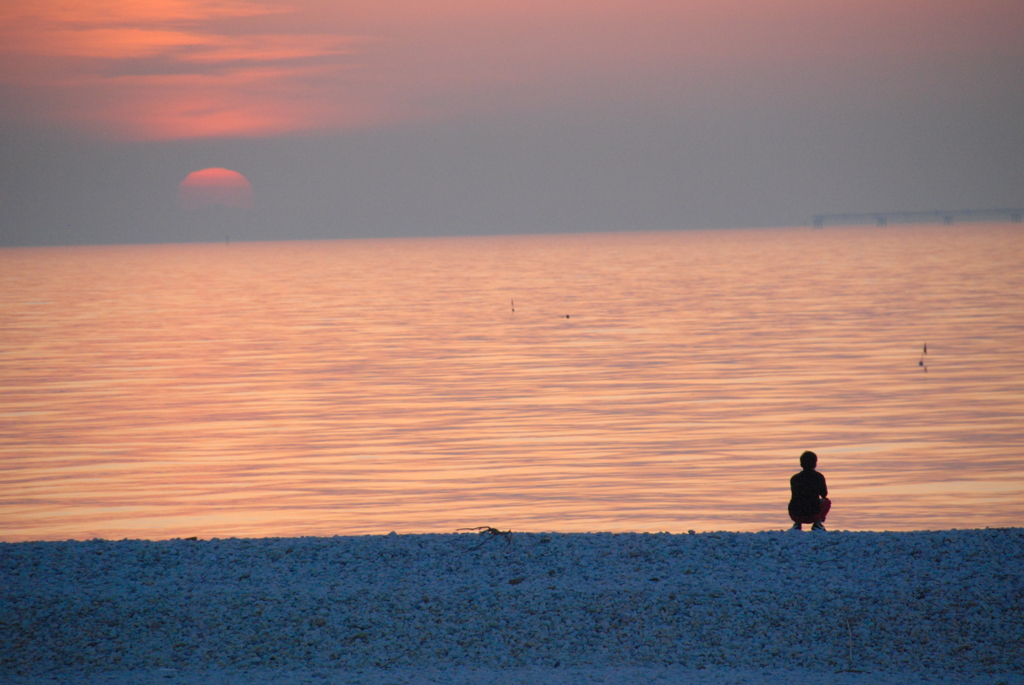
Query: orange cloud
(171, 69)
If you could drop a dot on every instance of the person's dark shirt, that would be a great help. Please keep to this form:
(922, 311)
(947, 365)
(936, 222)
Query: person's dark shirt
(807, 486)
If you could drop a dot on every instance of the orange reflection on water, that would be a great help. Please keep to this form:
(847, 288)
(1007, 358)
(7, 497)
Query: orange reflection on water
(368, 386)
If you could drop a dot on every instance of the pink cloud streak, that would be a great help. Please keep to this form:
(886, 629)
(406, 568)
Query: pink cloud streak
(197, 68)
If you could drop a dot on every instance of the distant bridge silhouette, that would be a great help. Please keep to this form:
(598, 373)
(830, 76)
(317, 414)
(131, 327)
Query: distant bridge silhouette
(883, 218)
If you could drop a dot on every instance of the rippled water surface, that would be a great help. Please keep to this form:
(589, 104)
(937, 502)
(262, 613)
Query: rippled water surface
(644, 382)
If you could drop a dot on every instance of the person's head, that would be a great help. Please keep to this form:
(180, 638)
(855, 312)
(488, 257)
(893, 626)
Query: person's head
(808, 460)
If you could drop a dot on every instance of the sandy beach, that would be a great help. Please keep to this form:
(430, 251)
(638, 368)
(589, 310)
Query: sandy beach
(836, 607)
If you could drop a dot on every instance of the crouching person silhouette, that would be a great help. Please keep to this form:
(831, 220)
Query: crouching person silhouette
(808, 503)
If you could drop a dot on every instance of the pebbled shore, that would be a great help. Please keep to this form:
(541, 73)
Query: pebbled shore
(541, 607)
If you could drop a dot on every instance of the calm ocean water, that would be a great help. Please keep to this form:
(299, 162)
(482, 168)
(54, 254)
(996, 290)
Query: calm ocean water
(644, 382)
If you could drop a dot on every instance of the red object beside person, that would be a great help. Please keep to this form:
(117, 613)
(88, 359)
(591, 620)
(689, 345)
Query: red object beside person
(826, 504)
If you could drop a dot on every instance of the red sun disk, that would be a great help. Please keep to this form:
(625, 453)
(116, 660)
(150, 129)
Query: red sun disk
(215, 186)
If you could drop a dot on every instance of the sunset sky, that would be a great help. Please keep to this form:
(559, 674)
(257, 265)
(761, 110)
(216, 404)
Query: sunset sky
(362, 118)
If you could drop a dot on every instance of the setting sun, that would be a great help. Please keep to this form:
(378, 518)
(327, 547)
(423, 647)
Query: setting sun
(215, 186)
